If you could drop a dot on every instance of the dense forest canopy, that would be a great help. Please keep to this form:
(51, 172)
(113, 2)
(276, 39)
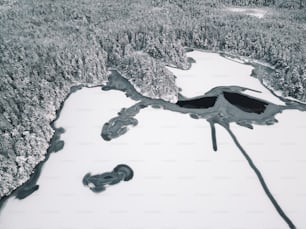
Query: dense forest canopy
(47, 46)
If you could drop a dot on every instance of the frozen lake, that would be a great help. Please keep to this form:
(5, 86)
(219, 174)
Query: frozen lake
(179, 181)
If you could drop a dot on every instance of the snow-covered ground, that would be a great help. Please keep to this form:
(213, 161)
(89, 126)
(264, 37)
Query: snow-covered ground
(259, 13)
(212, 70)
(179, 181)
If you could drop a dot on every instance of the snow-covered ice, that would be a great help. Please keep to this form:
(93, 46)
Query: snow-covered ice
(179, 181)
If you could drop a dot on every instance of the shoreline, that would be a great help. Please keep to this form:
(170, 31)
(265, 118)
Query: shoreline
(55, 145)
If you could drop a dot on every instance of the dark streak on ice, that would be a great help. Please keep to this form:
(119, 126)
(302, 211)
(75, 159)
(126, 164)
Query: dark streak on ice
(261, 180)
(213, 136)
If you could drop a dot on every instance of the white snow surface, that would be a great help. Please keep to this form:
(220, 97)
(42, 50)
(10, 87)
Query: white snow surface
(179, 181)
(259, 13)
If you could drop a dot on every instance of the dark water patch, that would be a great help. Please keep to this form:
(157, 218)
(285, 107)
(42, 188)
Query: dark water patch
(118, 126)
(245, 103)
(194, 116)
(198, 103)
(191, 60)
(99, 182)
(59, 145)
(26, 191)
(56, 144)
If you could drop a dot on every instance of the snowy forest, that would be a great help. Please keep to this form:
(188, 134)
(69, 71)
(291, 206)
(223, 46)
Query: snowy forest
(48, 46)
